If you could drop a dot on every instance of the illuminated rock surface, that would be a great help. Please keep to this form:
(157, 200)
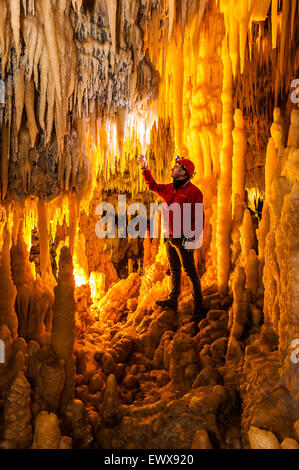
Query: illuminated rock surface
(90, 361)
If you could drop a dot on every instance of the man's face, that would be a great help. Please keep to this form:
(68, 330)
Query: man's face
(176, 171)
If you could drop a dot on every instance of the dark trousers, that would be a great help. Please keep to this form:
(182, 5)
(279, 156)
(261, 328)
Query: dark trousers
(178, 256)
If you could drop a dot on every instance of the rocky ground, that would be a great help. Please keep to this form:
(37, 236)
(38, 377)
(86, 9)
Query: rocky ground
(135, 376)
(160, 382)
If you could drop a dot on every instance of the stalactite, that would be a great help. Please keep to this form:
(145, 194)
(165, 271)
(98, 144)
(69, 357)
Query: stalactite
(30, 34)
(77, 5)
(112, 11)
(34, 298)
(15, 24)
(3, 13)
(224, 191)
(29, 104)
(19, 91)
(284, 29)
(238, 159)
(50, 105)
(47, 432)
(274, 22)
(171, 16)
(176, 56)
(40, 46)
(120, 124)
(286, 250)
(246, 231)
(184, 7)
(7, 39)
(52, 46)
(43, 87)
(275, 186)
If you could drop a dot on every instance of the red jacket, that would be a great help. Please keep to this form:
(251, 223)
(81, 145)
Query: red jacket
(188, 193)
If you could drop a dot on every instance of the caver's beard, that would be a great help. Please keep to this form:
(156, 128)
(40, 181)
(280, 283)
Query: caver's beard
(175, 177)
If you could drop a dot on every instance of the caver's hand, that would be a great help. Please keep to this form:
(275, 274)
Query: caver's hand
(142, 161)
(185, 244)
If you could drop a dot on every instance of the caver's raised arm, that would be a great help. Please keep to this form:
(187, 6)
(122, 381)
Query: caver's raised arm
(152, 184)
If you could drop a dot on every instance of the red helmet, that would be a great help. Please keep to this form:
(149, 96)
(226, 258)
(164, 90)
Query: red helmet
(187, 165)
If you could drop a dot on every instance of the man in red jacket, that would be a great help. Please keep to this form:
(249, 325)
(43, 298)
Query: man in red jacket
(181, 190)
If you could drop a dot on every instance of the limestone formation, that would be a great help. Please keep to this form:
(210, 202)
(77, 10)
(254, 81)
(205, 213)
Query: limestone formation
(47, 433)
(87, 358)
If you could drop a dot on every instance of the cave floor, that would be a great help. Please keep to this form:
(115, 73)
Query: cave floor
(160, 383)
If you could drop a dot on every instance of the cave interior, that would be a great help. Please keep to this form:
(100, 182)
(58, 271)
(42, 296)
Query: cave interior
(87, 361)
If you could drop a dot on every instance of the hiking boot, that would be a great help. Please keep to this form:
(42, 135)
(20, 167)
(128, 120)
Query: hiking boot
(168, 303)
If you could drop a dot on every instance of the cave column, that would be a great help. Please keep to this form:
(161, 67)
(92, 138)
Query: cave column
(238, 161)
(224, 191)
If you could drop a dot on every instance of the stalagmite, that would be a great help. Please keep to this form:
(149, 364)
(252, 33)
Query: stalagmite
(262, 439)
(111, 400)
(17, 414)
(4, 160)
(7, 313)
(34, 299)
(260, 9)
(43, 236)
(289, 443)
(251, 270)
(246, 231)
(62, 337)
(201, 440)
(40, 44)
(242, 15)
(47, 433)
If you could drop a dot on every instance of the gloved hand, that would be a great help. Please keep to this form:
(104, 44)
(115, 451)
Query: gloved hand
(142, 161)
(185, 244)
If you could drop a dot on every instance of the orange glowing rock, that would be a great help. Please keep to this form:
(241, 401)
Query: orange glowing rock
(113, 305)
